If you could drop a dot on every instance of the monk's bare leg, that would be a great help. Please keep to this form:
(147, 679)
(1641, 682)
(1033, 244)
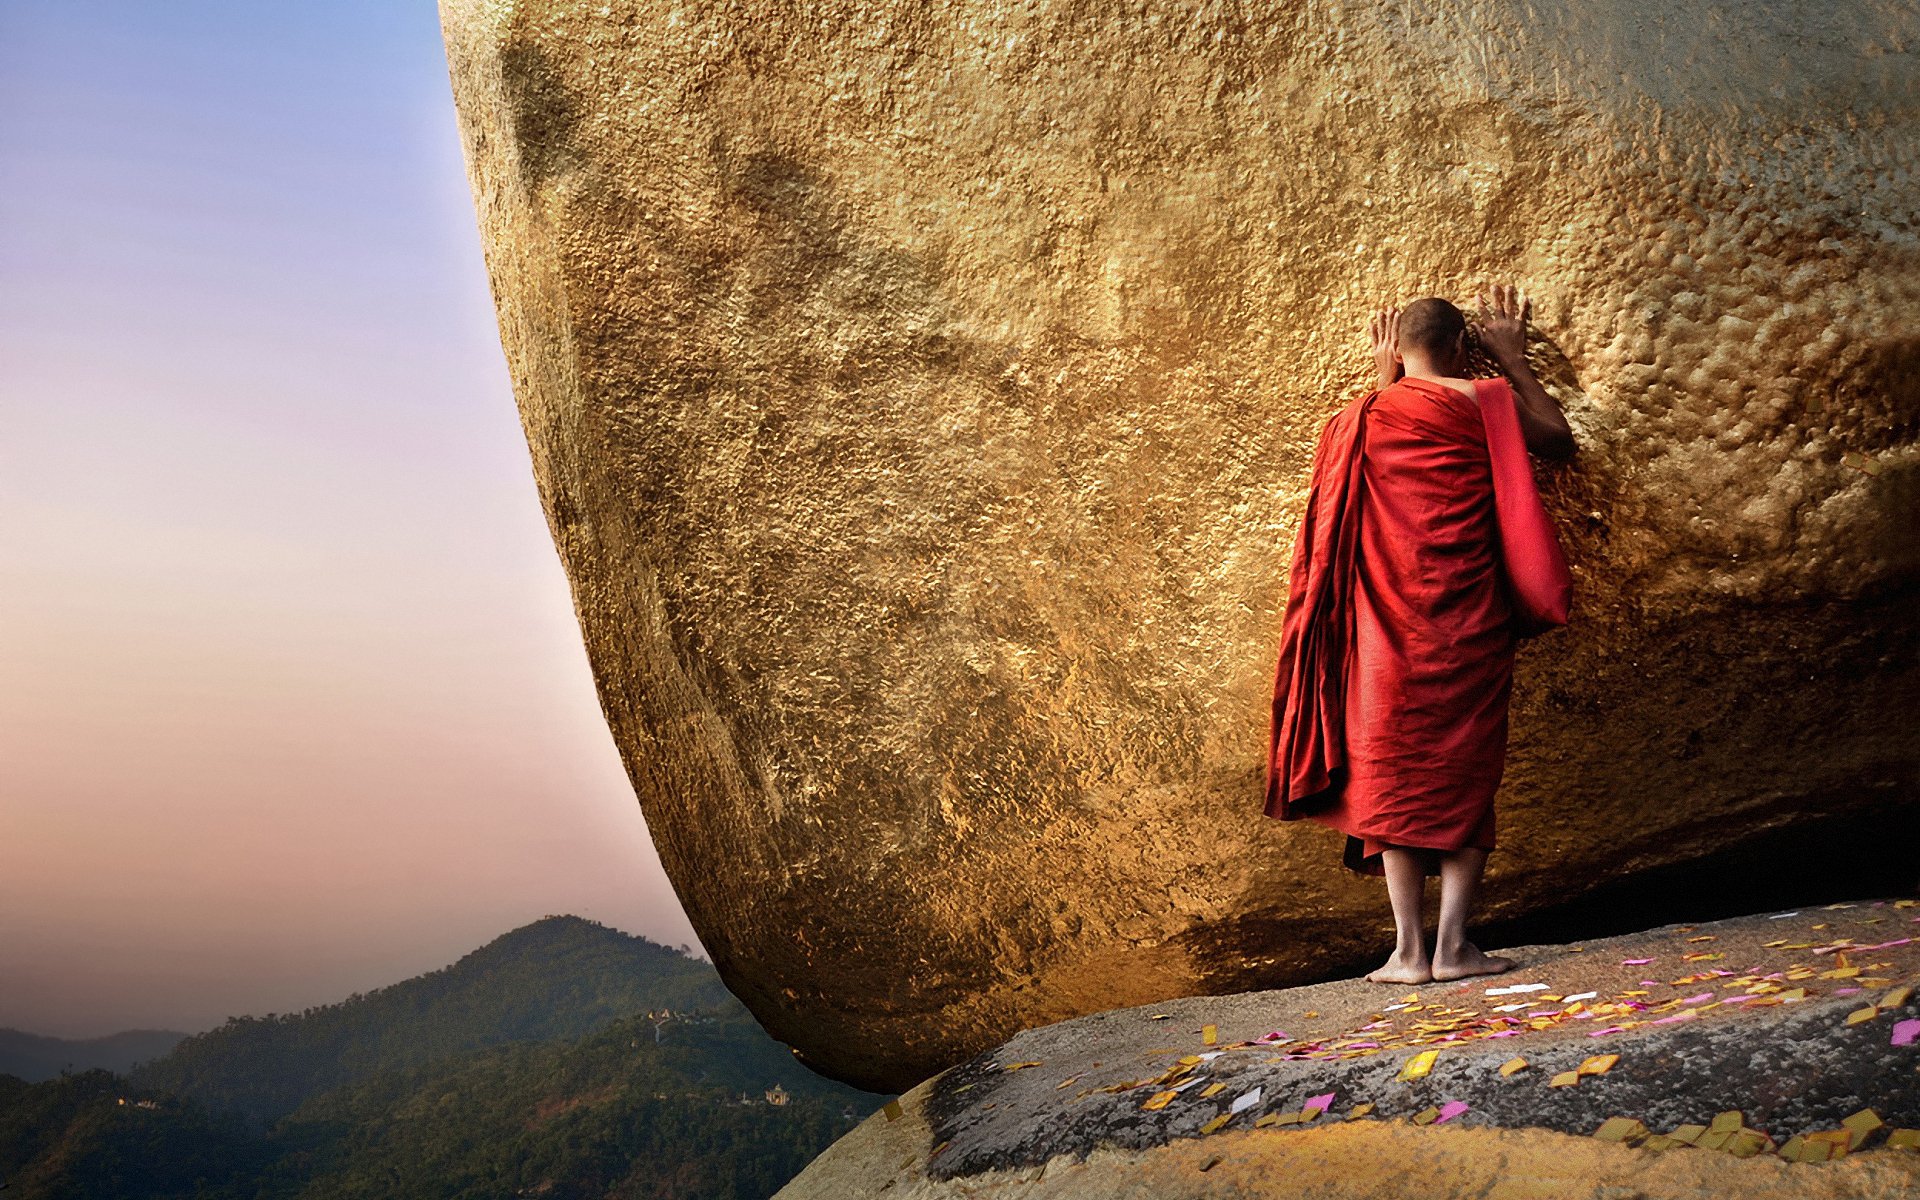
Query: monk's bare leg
(1453, 955)
(1406, 881)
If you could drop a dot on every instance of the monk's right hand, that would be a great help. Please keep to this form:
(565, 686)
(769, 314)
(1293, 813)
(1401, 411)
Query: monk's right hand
(1502, 328)
(1384, 331)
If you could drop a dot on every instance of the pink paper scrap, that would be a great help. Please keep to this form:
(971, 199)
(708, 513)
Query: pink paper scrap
(1697, 999)
(1321, 1102)
(1845, 991)
(1688, 1015)
(1904, 1032)
(1450, 1110)
(1608, 1029)
(1635, 962)
(1738, 999)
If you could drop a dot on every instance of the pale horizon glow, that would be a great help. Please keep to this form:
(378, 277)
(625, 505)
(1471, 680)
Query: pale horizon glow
(294, 702)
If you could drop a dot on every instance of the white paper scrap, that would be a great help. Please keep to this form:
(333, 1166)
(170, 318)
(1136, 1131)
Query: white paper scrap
(1518, 987)
(1245, 1102)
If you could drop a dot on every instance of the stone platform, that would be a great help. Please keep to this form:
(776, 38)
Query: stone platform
(1800, 1023)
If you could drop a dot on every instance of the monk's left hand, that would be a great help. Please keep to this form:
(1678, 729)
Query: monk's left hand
(1384, 331)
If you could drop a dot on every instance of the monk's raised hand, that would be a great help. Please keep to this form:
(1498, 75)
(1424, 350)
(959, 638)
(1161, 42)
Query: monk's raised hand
(1384, 332)
(1502, 328)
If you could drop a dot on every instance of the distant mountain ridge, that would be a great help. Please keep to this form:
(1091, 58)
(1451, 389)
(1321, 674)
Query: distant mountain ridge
(473, 1082)
(561, 977)
(34, 1057)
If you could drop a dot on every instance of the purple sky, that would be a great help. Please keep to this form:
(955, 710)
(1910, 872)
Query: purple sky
(292, 701)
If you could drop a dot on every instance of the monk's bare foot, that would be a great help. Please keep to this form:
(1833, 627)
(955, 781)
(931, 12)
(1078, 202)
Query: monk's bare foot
(1467, 960)
(1403, 969)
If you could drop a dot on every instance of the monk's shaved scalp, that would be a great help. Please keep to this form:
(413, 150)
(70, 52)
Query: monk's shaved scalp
(1430, 325)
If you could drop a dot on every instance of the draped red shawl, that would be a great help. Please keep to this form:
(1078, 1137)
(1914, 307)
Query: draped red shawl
(1423, 556)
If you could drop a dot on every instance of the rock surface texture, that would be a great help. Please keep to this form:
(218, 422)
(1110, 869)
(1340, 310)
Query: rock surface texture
(922, 394)
(1797, 1031)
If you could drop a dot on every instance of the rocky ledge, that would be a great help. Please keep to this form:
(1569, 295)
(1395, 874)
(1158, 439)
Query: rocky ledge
(1788, 1042)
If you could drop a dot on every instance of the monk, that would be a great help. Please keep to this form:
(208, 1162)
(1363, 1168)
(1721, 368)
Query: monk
(1423, 558)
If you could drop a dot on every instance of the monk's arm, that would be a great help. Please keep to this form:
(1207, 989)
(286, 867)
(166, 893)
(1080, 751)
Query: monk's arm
(1502, 331)
(1542, 423)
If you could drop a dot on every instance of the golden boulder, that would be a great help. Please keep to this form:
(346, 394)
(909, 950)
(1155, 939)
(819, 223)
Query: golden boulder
(921, 396)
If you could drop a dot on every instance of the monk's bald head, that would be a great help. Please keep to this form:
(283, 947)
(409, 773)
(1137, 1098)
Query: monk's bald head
(1430, 326)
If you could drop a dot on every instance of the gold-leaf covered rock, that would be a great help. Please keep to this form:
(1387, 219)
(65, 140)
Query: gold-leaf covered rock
(922, 397)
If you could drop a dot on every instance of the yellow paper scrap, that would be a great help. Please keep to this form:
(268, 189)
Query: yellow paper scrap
(1018, 1065)
(1862, 1124)
(1064, 1082)
(1861, 1015)
(1269, 1119)
(1598, 1064)
(1904, 1139)
(1619, 1129)
(1212, 1089)
(1896, 997)
(1361, 1110)
(892, 1109)
(1508, 1067)
(1745, 1143)
(1687, 1133)
(1159, 1100)
(1564, 1079)
(1715, 1139)
(1840, 973)
(1419, 1064)
(1209, 1035)
(1727, 1121)
(1216, 1123)
(1426, 1116)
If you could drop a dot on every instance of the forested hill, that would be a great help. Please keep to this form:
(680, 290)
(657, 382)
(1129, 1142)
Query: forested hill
(702, 1106)
(31, 1057)
(558, 978)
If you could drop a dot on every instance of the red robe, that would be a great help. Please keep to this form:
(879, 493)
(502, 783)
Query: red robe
(1424, 556)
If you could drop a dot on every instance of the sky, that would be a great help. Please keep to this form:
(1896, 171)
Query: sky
(292, 699)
